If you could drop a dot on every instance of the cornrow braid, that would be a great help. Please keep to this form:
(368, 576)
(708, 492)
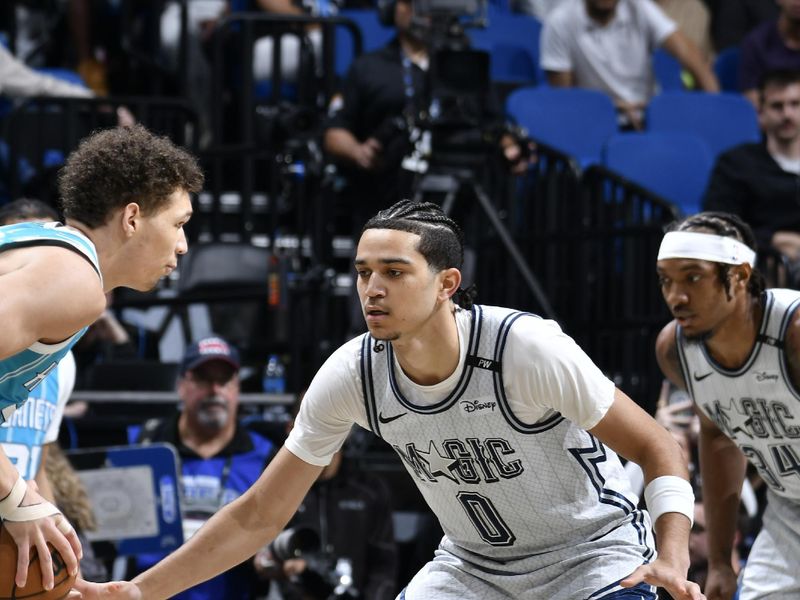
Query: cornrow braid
(727, 225)
(441, 240)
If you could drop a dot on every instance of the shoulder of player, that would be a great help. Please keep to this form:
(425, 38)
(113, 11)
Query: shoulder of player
(667, 354)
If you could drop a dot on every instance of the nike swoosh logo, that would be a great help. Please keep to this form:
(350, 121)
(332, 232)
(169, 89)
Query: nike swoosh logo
(386, 420)
(701, 377)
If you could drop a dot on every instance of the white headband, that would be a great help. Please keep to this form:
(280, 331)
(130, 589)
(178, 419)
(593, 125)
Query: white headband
(705, 246)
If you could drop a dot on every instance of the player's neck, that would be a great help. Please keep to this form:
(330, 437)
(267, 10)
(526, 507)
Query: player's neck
(733, 341)
(789, 149)
(430, 356)
(103, 244)
(204, 443)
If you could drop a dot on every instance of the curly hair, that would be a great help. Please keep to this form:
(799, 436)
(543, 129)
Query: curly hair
(114, 167)
(441, 240)
(727, 225)
(69, 491)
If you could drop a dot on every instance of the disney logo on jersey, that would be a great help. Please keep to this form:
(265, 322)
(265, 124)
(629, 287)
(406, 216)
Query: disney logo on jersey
(764, 376)
(462, 461)
(470, 406)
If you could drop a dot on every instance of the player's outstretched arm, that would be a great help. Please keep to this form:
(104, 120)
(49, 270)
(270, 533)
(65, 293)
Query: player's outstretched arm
(634, 434)
(232, 535)
(33, 522)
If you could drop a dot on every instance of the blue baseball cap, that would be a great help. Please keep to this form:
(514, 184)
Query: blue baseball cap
(210, 348)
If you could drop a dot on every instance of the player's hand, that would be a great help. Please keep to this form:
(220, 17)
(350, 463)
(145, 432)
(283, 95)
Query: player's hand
(116, 590)
(721, 583)
(662, 574)
(53, 529)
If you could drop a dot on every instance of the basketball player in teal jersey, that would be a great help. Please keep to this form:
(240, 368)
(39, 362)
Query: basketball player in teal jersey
(505, 425)
(735, 347)
(25, 438)
(125, 196)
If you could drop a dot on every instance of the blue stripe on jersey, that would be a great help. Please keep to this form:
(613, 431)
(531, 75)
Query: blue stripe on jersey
(22, 373)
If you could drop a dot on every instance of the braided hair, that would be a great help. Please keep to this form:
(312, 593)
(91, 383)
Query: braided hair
(726, 225)
(441, 240)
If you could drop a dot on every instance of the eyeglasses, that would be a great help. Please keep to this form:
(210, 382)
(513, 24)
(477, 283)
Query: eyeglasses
(210, 379)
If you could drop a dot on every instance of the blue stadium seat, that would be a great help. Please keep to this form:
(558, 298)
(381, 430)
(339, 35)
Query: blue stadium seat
(726, 68)
(722, 120)
(667, 70)
(574, 121)
(673, 165)
(373, 35)
(507, 35)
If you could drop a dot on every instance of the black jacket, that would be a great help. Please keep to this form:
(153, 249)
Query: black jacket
(747, 181)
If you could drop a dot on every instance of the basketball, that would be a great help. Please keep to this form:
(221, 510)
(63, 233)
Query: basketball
(33, 589)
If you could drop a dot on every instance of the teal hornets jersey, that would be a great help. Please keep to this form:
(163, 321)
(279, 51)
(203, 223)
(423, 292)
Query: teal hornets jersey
(22, 373)
(36, 423)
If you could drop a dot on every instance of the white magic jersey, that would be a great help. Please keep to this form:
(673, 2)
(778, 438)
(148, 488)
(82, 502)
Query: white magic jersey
(756, 406)
(545, 504)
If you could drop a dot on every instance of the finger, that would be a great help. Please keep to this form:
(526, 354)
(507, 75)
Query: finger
(23, 559)
(634, 578)
(45, 562)
(68, 546)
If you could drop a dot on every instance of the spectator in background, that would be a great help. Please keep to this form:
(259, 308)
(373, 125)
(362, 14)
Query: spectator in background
(220, 459)
(760, 182)
(772, 46)
(292, 46)
(367, 132)
(734, 19)
(202, 17)
(351, 513)
(20, 81)
(536, 8)
(693, 19)
(607, 45)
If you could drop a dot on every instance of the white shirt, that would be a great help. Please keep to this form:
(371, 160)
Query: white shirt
(544, 370)
(615, 58)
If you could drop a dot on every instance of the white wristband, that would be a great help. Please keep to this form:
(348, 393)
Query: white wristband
(669, 494)
(10, 509)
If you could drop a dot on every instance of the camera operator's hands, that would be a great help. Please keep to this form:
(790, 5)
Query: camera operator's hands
(520, 153)
(368, 154)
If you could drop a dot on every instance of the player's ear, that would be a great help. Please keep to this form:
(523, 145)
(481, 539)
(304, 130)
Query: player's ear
(450, 280)
(130, 218)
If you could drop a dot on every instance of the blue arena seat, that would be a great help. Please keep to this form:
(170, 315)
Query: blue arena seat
(506, 38)
(674, 165)
(667, 70)
(726, 68)
(373, 35)
(574, 121)
(721, 120)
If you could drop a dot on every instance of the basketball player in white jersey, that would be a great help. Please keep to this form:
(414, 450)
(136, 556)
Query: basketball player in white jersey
(736, 349)
(506, 426)
(125, 195)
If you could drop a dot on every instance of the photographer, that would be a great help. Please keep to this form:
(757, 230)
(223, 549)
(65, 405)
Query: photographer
(340, 542)
(384, 94)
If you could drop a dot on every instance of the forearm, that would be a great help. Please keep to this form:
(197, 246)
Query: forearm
(236, 532)
(341, 144)
(723, 467)
(672, 538)
(8, 475)
(684, 50)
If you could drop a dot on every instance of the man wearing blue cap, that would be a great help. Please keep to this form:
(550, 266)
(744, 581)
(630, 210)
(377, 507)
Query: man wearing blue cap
(220, 459)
